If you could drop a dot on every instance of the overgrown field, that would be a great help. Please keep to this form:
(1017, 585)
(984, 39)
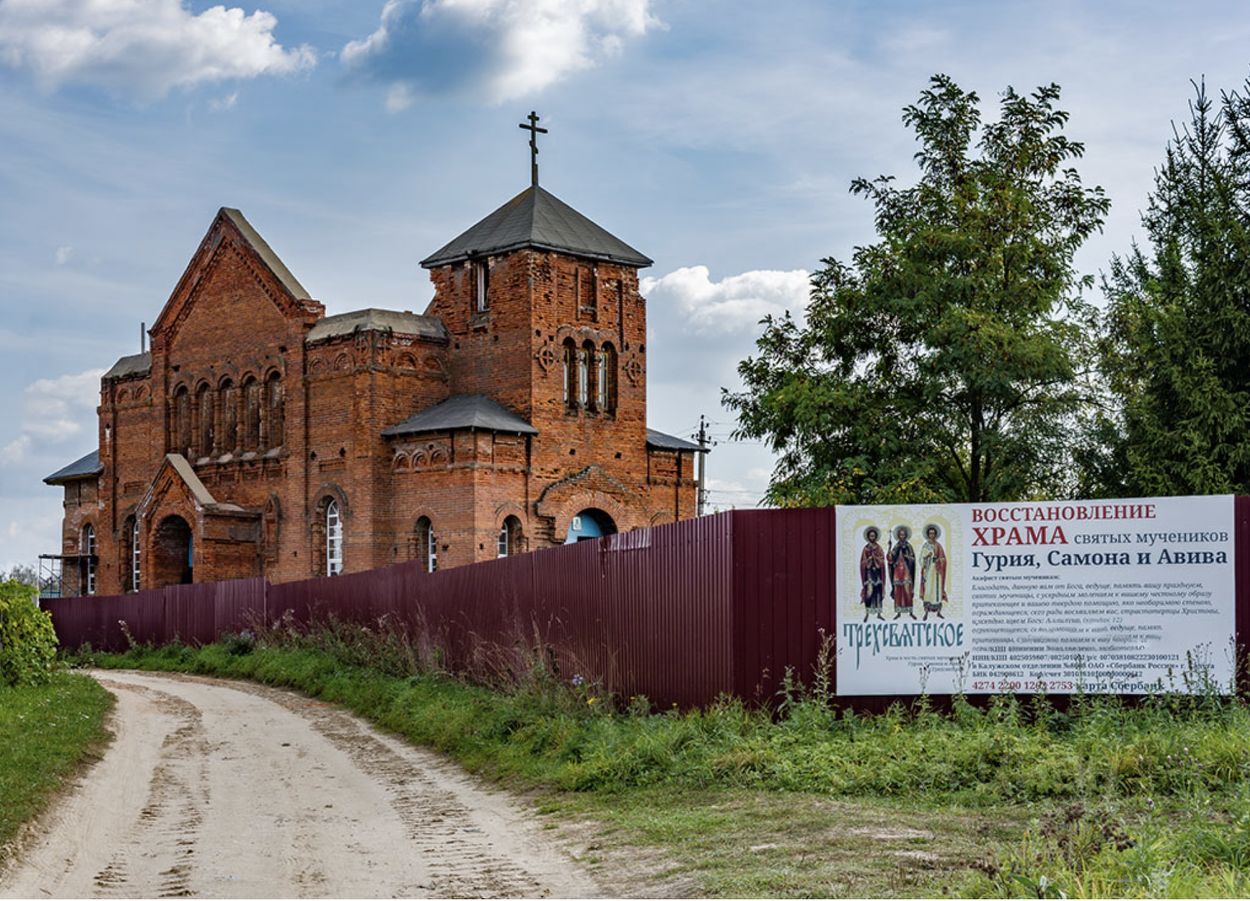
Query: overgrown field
(46, 732)
(1015, 799)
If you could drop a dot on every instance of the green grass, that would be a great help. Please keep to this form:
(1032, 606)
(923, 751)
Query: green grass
(1019, 798)
(46, 733)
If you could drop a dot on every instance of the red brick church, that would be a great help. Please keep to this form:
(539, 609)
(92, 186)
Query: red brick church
(260, 437)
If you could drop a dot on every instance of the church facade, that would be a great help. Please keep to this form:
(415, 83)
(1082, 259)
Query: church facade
(260, 437)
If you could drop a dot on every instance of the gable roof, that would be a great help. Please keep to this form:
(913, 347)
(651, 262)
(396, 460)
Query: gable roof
(135, 364)
(230, 227)
(402, 323)
(463, 411)
(537, 218)
(82, 468)
(197, 489)
(661, 441)
(266, 254)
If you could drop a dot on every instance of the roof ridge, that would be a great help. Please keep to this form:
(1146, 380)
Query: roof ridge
(266, 253)
(519, 223)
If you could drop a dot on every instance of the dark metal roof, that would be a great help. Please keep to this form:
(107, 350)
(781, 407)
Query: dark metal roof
(377, 320)
(463, 411)
(265, 252)
(662, 441)
(135, 364)
(79, 469)
(537, 218)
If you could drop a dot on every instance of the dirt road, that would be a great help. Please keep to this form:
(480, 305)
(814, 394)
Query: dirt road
(225, 789)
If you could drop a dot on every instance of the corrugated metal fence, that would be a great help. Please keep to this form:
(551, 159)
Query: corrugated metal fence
(680, 613)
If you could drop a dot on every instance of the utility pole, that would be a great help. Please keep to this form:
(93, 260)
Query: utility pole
(702, 438)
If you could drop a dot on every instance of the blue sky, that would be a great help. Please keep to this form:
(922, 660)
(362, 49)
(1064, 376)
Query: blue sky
(717, 137)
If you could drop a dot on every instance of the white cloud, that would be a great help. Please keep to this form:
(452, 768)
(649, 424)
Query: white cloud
(400, 96)
(55, 411)
(63, 254)
(502, 48)
(140, 48)
(221, 104)
(15, 451)
(736, 303)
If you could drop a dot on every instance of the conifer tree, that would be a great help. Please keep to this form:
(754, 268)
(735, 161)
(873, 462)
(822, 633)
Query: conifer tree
(1176, 352)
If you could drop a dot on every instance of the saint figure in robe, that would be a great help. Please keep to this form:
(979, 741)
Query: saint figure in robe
(901, 561)
(932, 572)
(872, 573)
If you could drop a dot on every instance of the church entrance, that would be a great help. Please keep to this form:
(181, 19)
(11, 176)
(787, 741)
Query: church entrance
(588, 525)
(173, 553)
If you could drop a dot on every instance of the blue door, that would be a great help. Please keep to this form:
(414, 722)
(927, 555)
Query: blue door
(588, 525)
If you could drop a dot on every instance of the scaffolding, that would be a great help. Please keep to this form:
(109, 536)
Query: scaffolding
(52, 572)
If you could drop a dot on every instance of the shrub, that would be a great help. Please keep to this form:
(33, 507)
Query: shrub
(238, 643)
(27, 640)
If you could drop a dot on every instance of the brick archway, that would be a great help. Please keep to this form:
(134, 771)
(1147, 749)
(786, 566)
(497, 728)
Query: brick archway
(173, 550)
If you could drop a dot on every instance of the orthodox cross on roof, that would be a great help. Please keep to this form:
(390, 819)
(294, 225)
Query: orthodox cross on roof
(534, 131)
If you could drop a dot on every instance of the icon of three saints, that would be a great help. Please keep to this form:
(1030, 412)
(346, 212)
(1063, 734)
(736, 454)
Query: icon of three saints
(897, 565)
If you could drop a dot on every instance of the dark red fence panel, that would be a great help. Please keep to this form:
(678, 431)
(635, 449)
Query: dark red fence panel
(784, 587)
(238, 604)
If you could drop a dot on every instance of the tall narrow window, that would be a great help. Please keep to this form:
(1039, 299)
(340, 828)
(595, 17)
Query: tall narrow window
(180, 442)
(481, 286)
(427, 544)
(606, 383)
(509, 542)
(251, 415)
(229, 417)
(204, 409)
(334, 539)
(570, 374)
(592, 294)
(88, 559)
(601, 381)
(136, 573)
(274, 405)
(583, 375)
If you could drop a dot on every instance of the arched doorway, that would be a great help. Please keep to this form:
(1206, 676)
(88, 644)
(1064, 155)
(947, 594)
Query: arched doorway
(591, 523)
(173, 554)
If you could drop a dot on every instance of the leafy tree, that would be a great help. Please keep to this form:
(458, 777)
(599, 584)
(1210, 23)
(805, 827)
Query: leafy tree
(23, 573)
(1176, 352)
(944, 362)
(27, 639)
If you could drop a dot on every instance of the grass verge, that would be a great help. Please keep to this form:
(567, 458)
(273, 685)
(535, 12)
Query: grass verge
(46, 733)
(1016, 799)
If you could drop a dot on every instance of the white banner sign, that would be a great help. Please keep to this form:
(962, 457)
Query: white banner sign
(1121, 597)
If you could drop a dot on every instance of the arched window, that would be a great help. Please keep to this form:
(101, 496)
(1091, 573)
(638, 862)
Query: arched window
(570, 374)
(229, 404)
(251, 415)
(273, 405)
(180, 439)
(583, 374)
(427, 545)
(88, 559)
(509, 541)
(605, 383)
(204, 409)
(334, 539)
(131, 571)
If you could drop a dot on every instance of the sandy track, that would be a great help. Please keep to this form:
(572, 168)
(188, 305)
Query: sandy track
(227, 789)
